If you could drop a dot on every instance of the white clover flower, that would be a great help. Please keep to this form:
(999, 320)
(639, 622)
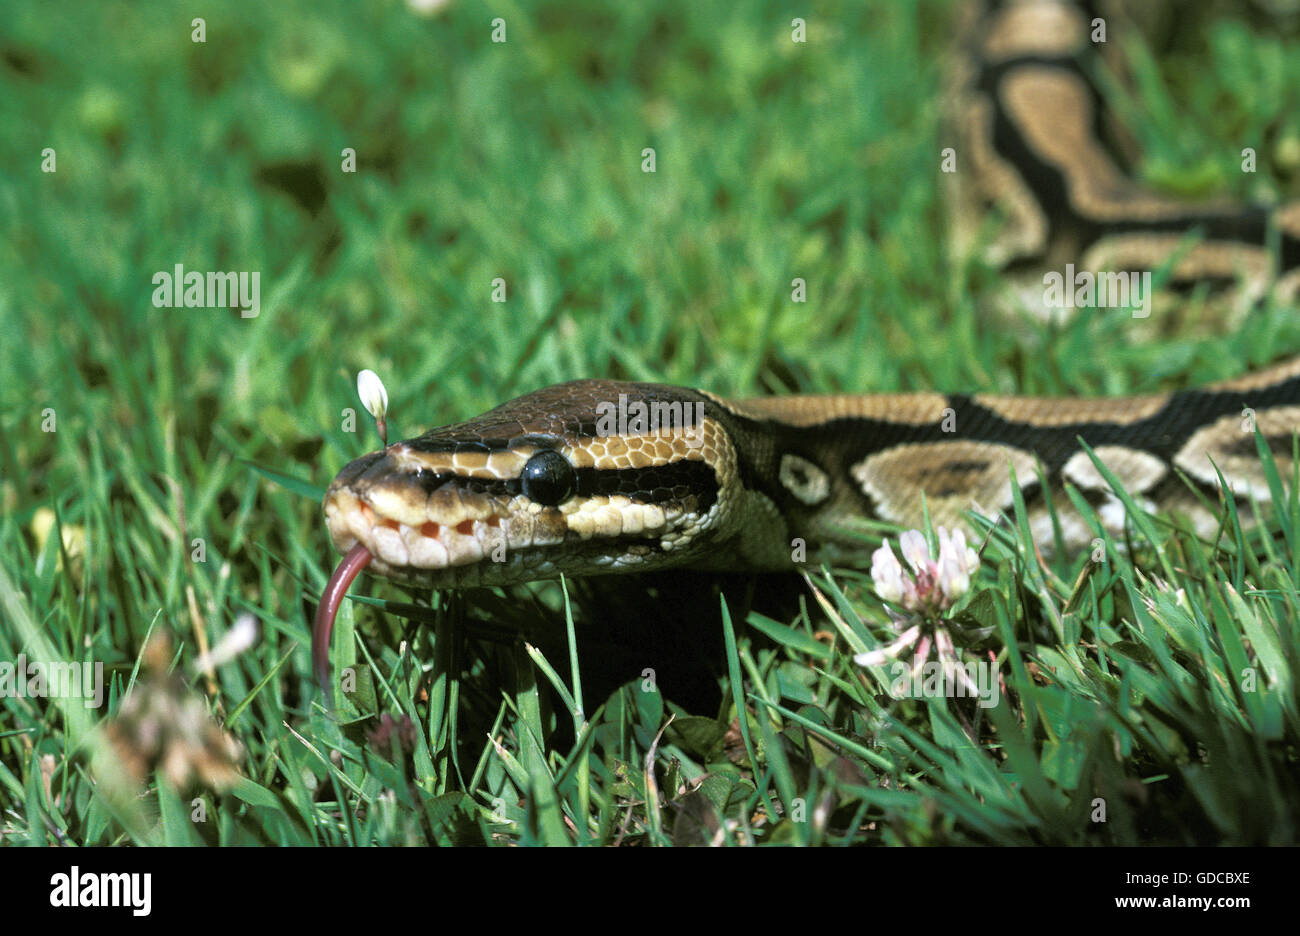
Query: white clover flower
(375, 399)
(957, 562)
(427, 7)
(931, 587)
(891, 652)
(951, 660)
(954, 542)
(934, 584)
(887, 573)
(953, 580)
(914, 549)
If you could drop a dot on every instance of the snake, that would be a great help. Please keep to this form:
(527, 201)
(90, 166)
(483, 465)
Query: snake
(1036, 152)
(597, 477)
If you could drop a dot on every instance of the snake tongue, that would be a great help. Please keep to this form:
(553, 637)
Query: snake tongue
(356, 559)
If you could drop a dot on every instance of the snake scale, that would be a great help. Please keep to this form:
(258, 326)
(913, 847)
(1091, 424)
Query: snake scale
(599, 476)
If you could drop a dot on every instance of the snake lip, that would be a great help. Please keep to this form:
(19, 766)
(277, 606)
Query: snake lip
(414, 541)
(414, 522)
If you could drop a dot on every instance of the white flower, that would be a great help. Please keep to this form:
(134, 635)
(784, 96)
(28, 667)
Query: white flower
(427, 7)
(371, 390)
(951, 660)
(933, 585)
(891, 652)
(953, 581)
(241, 636)
(957, 562)
(914, 549)
(887, 573)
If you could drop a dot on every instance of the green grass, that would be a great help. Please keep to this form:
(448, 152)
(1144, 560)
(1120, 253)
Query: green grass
(523, 161)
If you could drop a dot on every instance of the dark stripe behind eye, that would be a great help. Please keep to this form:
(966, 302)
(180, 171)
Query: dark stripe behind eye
(659, 485)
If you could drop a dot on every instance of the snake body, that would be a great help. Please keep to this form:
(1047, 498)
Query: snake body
(1033, 150)
(550, 483)
(539, 486)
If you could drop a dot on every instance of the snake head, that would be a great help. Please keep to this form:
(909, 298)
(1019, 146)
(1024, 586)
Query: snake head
(581, 478)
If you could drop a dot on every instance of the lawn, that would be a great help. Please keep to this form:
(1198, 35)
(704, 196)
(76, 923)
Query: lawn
(178, 454)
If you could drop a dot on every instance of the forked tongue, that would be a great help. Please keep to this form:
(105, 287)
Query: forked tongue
(331, 598)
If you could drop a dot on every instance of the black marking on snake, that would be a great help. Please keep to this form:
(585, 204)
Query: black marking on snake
(849, 440)
(1246, 224)
(962, 467)
(661, 484)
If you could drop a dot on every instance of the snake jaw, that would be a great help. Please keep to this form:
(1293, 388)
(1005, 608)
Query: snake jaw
(450, 508)
(504, 545)
(442, 544)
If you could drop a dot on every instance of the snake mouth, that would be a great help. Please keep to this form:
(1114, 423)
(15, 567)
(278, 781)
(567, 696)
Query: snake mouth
(417, 541)
(435, 530)
(415, 521)
(429, 523)
(414, 526)
(457, 516)
(427, 552)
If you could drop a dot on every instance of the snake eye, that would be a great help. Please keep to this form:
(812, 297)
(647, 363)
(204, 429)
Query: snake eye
(548, 478)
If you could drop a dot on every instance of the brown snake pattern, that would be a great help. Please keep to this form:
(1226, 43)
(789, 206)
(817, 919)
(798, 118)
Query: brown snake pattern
(553, 482)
